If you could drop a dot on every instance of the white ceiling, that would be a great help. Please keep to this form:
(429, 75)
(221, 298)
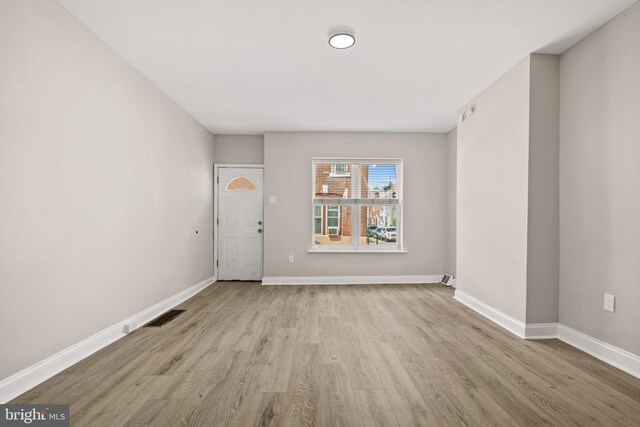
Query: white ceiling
(249, 66)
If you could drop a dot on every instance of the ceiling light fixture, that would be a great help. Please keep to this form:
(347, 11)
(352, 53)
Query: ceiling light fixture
(342, 41)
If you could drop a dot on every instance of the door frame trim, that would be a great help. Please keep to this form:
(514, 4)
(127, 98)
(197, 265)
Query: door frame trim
(216, 194)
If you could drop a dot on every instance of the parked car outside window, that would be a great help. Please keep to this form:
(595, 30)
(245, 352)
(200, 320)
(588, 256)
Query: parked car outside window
(389, 234)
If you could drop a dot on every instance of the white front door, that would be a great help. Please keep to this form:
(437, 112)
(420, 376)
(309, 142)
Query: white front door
(240, 225)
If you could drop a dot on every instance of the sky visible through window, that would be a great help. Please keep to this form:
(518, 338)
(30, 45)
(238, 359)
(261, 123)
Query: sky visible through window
(381, 175)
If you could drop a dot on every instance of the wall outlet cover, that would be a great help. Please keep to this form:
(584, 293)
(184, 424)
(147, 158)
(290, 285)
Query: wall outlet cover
(273, 200)
(609, 302)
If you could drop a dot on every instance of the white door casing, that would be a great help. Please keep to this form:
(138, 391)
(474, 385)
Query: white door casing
(240, 229)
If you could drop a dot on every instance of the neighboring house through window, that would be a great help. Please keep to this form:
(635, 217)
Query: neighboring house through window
(339, 169)
(333, 220)
(317, 219)
(357, 204)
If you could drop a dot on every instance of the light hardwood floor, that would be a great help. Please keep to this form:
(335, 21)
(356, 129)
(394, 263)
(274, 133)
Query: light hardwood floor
(370, 355)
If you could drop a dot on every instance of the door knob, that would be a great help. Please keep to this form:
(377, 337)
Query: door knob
(259, 230)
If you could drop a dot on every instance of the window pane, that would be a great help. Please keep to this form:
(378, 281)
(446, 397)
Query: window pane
(333, 220)
(317, 219)
(336, 229)
(378, 181)
(375, 183)
(381, 227)
(332, 181)
(240, 184)
(339, 169)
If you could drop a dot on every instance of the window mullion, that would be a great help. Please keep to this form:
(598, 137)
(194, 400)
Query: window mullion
(355, 217)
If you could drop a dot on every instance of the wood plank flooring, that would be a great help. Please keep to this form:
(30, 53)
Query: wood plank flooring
(372, 355)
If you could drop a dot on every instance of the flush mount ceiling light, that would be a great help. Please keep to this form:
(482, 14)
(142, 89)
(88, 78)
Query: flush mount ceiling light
(342, 41)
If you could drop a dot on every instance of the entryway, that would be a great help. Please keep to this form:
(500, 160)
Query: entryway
(239, 224)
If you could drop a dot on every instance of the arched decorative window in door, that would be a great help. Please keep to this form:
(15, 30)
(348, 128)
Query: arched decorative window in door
(240, 183)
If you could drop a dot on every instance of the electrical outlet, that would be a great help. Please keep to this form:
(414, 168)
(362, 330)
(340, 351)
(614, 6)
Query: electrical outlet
(609, 302)
(273, 200)
(291, 259)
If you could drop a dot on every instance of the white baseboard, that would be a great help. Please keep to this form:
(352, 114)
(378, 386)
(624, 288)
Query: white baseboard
(615, 356)
(30, 377)
(541, 331)
(351, 280)
(511, 324)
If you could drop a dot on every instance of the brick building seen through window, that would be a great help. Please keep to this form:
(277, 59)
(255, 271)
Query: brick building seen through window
(345, 182)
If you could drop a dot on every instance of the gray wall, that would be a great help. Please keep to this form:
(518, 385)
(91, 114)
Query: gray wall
(452, 144)
(287, 158)
(543, 223)
(239, 149)
(103, 183)
(492, 202)
(600, 182)
(507, 248)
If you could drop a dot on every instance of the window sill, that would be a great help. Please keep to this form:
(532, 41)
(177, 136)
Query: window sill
(356, 251)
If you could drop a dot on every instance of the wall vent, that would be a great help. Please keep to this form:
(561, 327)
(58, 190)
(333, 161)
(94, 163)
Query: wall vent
(447, 279)
(165, 318)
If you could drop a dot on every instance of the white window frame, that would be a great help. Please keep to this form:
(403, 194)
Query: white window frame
(356, 205)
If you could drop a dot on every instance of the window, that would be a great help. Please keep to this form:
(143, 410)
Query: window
(357, 204)
(339, 169)
(317, 219)
(240, 184)
(333, 220)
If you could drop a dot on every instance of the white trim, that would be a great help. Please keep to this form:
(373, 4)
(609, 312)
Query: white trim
(615, 356)
(216, 191)
(30, 377)
(317, 250)
(511, 324)
(352, 280)
(541, 331)
(375, 160)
